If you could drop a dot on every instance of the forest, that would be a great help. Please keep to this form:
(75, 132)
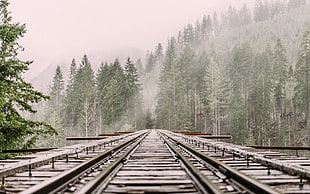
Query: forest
(243, 72)
(246, 74)
(91, 104)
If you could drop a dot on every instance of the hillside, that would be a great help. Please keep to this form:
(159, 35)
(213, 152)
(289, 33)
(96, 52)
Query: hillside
(289, 27)
(241, 76)
(42, 80)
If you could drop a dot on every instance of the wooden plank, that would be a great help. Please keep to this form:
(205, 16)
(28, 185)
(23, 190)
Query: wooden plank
(280, 181)
(86, 138)
(147, 182)
(261, 172)
(27, 150)
(281, 147)
(152, 189)
(38, 174)
(167, 177)
(152, 173)
(144, 168)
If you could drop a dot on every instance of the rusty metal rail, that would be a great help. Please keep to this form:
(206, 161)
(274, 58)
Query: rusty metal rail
(230, 172)
(61, 182)
(208, 186)
(96, 185)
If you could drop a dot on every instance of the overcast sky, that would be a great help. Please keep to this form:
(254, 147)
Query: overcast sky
(58, 30)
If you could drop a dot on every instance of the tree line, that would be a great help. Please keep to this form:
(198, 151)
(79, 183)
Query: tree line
(93, 104)
(16, 95)
(260, 96)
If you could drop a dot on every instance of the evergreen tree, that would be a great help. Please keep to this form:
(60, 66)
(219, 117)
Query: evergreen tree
(55, 107)
(302, 76)
(134, 99)
(244, 16)
(16, 95)
(149, 121)
(166, 96)
(279, 75)
(113, 96)
(216, 24)
(216, 95)
(71, 100)
(102, 82)
(84, 87)
(150, 62)
(188, 35)
(57, 90)
(260, 98)
(261, 11)
(139, 67)
(159, 53)
(239, 73)
(279, 79)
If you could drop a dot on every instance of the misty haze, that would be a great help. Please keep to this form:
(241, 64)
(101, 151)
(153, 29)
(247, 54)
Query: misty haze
(234, 69)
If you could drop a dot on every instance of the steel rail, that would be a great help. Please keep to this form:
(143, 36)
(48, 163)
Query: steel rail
(62, 180)
(201, 178)
(230, 172)
(98, 184)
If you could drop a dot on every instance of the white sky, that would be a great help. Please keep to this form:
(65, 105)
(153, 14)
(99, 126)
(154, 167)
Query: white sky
(58, 30)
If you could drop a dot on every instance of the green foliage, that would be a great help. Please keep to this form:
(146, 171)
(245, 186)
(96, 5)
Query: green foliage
(16, 95)
(302, 76)
(226, 78)
(84, 86)
(54, 113)
(149, 121)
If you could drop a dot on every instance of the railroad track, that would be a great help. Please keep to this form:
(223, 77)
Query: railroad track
(23, 172)
(159, 161)
(283, 173)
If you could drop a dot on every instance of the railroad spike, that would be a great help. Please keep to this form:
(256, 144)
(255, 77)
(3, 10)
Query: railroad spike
(301, 184)
(2, 185)
(30, 174)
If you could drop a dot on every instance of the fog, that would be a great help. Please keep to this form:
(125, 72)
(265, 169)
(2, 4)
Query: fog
(58, 30)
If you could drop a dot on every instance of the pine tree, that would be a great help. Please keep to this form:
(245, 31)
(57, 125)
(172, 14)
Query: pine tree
(55, 107)
(216, 24)
(279, 75)
(134, 98)
(150, 62)
(216, 95)
(166, 96)
(302, 76)
(279, 79)
(112, 92)
(159, 53)
(16, 95)
(244, 16)
(139, 67)
(102, 82)
(84, 88)
(57, 90)
(239, 74)
(149, 121)
(71, 101)
(260, 98)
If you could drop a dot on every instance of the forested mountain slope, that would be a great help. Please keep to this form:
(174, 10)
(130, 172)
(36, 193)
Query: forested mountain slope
(246, 75)
(289, 27)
